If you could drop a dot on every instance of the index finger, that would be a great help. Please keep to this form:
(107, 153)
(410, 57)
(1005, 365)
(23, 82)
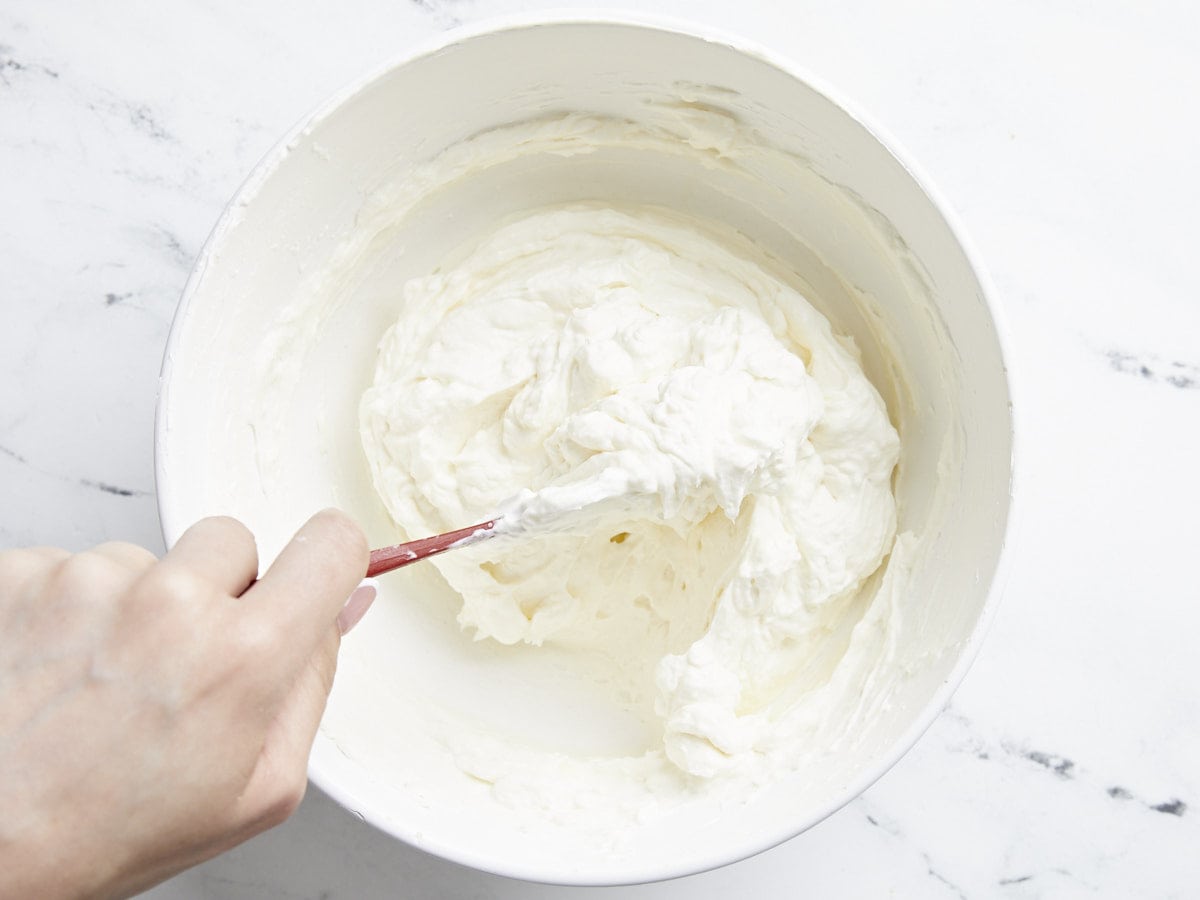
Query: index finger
(307, 585)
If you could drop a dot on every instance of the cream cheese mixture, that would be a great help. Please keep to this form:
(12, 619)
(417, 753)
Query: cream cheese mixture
(696, 473)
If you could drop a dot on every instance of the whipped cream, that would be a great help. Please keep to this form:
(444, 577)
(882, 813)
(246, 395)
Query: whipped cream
(695, 473)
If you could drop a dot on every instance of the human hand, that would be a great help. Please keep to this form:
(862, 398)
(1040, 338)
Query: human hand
(154, 714)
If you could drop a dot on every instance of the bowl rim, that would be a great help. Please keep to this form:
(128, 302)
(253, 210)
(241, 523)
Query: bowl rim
(736, 850)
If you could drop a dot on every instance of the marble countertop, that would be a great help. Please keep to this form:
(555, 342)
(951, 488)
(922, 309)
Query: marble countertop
(1065, 135)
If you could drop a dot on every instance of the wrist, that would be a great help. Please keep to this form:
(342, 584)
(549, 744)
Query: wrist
(49, 864)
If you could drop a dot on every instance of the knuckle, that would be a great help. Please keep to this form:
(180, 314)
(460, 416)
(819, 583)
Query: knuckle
(252, 643)
(234, 531)
(284, 800)
(19, 568)
(132, 555)
(167, 582)
(18, 563)
(25, 574)
(243, 662)
(85, 572)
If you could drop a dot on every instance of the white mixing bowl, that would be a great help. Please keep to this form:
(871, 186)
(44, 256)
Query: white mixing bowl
(886, 263)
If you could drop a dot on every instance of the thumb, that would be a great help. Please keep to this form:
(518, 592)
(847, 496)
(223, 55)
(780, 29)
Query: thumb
(280, 776)
(296, 725)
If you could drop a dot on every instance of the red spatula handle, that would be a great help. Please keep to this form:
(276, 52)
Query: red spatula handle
(387, 558)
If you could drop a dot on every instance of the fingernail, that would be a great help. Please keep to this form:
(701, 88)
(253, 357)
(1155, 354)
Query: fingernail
(356, 607)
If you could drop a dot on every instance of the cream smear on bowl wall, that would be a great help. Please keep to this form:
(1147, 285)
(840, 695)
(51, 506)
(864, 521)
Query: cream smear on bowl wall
(714, 310)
